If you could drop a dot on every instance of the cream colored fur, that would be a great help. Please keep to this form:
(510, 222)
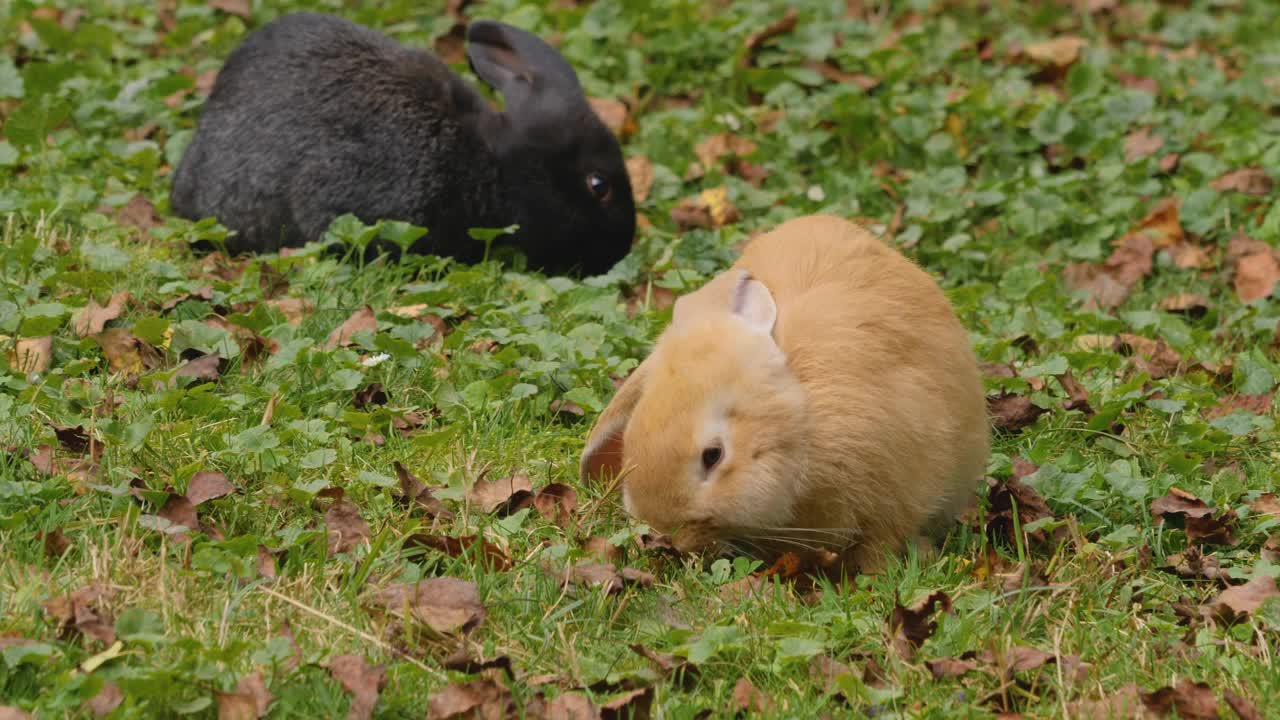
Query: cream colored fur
(860, 418)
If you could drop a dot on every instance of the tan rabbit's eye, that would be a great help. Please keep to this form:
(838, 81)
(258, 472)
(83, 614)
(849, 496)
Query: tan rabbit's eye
(599, 186)
(711, 457)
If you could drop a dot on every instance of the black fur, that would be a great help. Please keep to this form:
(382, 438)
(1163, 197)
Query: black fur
(314, 116)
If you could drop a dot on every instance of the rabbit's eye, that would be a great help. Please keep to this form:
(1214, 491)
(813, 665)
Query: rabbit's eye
(711, 457)
(599, 186)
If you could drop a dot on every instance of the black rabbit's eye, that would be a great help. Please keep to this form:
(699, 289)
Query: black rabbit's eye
(599, 186)
(711, 457)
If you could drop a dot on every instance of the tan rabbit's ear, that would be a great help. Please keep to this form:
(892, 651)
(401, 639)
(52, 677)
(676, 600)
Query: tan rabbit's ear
(602, 457)
(753, 302)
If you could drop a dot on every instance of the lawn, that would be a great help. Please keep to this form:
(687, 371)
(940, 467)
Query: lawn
(306, 485)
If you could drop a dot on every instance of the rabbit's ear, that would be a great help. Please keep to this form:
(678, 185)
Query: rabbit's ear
(519, 64)
(753, 302)
(602, 457)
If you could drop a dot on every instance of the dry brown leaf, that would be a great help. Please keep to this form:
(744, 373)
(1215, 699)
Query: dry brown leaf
(138, 213)
(179, 511)
(1129, 702)
(201, 369)
(1153, 357)
(235, 7)
(747, 699)
(344, 526)
(757, 39)
(1078, 396)
(250, 701)
(1168, 162)
(293, 309)
(501, 495)
(125, 353)
(8, 712)
(1059, 53)
(362, 319)
(1012, 413)
(266, 562)
(1003, 497)
(910, 627)
(1192, 305)
(950, 667)
(833, 73)
(444, 604)
(1237, 603)
(1266, 504)
(1193, 564)
(107, 699)
(1140, 143)
(482, 699)
(632, 704)
(556, 503)
(601, 549)
(208, 485)
(1192, 700)
(1099, 286)
(1200, 522)
(369, 395)
(712, 150)
(1256, 276)
(570, 706)
(1243, 707)
(600, 575)
(363, 681)
(826, 673)
(82, 612)
(1248, 180)
(32, 355)
(55, 543)
(418, 494)
(709, 209)
(648, 296)
(92, 318)
(614, 114)
(489, 554)
(1253, 404)
(640, 171)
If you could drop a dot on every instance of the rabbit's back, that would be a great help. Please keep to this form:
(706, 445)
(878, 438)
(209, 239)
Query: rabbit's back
(314, 116)
(897, 405)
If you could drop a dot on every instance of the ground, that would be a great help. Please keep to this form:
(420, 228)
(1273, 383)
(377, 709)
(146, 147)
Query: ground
(1092, 182)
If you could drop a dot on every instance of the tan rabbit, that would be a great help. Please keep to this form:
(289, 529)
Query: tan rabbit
(819, 393)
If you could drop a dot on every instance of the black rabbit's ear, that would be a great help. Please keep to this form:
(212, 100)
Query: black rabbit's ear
(519, 64)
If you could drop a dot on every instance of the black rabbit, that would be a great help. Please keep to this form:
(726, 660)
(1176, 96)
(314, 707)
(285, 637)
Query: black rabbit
(314, 116)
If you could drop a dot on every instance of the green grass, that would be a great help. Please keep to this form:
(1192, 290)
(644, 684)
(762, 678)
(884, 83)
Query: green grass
(992, 173)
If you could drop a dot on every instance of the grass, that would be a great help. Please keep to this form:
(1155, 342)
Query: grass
(991, 159)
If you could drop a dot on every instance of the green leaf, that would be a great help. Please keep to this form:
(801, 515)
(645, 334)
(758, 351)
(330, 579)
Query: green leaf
(10, 80)
(317, 458)
(713, 641)
(138, 625)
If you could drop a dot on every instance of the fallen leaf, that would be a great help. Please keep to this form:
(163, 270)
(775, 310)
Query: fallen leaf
(55, 543)
(444, 604)
(344, 526)
(208, 485)
(600, 575)
(250, 700)
(637, 577)
(92, 318)
(42, 459)
(1238, 602)
(910, 627)
(360, 320)
(202, 369)
(630, 705)
(266, 562)
(363, 681)
(747, 699)
(295, 310)
(125, 353)
(1168, 162)
(1182, 509)
(1248, 180)
(833, 73)
(1192, 305)
(1078, 397)
(462, 661)
(204, 292)
(8, 712)
(1012, 413)
(1193, 564)
(1266, 504)
(556, 503)
(668, 665)
(827, 672)
(82, 612)
(709, 209)
(234, 7)
(757, 39)
(481, 699)
(1141, 143)
(1194, 701)
(418, 494)
(1259, 404)
(1153, 357)
(107, 699)
(570, 706)
(1243, 707)
(138, 213)
(501, 495)
(950, 667)
(601, 549)
(1003, 497)
(568, 408)
(722, 145)
(1127, 702)
(1058, 53)
(614, 114)
(370, 395)
(1099, 286)
(32, 355)
(1256, 276)
(648, 296)
(640, 171)
(179, 511)
(489, 554)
